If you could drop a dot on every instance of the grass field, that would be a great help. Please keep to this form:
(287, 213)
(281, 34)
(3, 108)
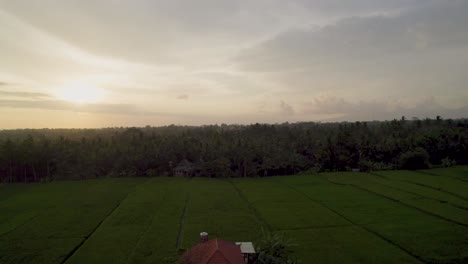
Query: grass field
(380, 217)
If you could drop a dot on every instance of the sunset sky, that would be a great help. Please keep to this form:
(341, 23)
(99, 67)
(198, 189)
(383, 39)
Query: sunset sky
(88, 63)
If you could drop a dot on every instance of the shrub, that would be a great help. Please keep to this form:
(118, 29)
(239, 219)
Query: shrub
(414, 159)
(274, 248)
(366, 165)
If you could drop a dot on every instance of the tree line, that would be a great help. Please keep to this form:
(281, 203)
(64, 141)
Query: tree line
(255, 150)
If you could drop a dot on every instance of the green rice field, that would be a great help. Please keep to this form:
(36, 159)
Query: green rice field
(378, 217)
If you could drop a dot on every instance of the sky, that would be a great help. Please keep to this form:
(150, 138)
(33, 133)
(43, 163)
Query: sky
(112, 63)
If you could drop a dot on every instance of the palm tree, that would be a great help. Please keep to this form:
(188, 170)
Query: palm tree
(275, 248)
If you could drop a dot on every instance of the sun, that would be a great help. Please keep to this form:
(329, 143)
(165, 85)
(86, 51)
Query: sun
(80, 93)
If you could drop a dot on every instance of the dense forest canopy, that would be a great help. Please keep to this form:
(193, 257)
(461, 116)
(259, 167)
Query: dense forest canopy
(231, 150)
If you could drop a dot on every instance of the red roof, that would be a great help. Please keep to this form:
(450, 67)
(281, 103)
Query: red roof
(214, 252)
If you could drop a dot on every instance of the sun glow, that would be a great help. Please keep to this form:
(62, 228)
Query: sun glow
(80, 93)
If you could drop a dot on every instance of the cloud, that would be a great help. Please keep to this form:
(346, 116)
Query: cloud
(238, 55)
(354, 40)
(165, 32)
(30, 95)
(121, 109)
(421, 50)
(183, 97)
(286, 109)
(333, 7)
(363, 110)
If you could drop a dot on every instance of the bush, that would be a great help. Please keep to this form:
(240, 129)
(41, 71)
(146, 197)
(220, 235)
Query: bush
(366, 165)
(274, 248)
(311, 171)
(151, 173)
(414, 159)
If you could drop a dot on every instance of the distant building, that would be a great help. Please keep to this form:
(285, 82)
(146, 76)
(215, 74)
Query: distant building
(218, 251)
(184, 169)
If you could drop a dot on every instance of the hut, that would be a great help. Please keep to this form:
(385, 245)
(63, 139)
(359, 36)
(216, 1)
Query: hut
(218, 251)
(214, 251)
(185, 168)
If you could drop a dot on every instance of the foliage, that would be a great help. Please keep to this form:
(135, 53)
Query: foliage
(338, 217)
(366, 165)
(230, 150)
(447, 162)
(414, 159)
(275, 248)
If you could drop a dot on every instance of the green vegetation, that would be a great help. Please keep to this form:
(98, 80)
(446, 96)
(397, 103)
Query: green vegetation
(337, 217)
(415, 159)
(216, 206)
(231, 150)
(275, 248)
